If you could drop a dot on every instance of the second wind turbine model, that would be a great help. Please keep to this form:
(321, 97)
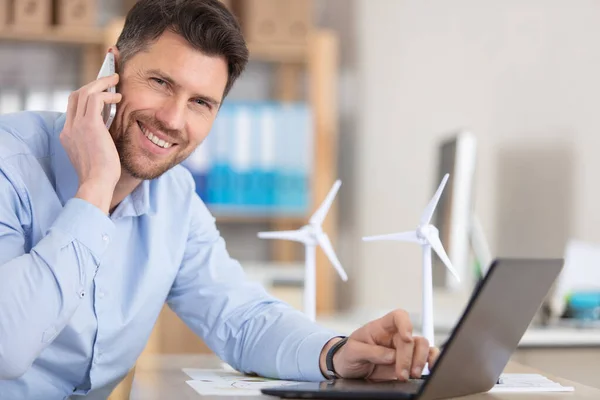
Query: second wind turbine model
(312, 235)
(428, 237)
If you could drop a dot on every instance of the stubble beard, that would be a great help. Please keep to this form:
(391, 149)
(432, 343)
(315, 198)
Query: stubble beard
(135, 161)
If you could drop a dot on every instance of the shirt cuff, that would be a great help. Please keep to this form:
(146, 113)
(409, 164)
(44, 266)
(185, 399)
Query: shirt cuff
(87, 224)
(309, 354)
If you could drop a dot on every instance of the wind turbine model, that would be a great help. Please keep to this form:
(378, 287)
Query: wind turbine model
(312, 235)
(428, 237)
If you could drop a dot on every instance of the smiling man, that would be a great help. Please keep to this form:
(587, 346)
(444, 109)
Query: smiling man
(99, 228)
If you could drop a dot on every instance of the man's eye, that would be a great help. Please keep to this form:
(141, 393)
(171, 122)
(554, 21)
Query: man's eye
(203, 103)
(159, 81)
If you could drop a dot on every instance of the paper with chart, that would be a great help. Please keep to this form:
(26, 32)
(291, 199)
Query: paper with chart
(519, 383)
(220, 382)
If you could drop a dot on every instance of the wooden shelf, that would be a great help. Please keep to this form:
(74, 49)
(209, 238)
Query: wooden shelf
(96, 36)
(230, 214)
(278, 53)
(54, 35)
(254, 219)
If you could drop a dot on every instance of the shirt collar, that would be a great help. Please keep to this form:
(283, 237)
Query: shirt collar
(67, 182)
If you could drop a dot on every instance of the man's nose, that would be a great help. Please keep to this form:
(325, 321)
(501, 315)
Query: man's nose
(172, 114)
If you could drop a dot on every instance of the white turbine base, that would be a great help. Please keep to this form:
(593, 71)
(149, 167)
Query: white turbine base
(310, 281)
(427, 307)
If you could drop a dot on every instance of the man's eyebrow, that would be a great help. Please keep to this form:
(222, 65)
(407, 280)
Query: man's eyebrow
(165, 77)
(209, 100)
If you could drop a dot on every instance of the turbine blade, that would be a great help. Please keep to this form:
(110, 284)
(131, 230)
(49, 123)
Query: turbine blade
(325, 244)
(436, 244)
(297, 236)
(428, 213)
(401, 237)
(319, 216)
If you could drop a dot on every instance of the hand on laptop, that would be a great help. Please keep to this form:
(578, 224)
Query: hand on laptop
(383, 349)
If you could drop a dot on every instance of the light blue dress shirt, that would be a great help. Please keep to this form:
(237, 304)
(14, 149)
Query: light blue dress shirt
(80, 291)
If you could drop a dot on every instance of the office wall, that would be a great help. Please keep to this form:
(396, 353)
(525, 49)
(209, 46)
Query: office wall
(523, 75)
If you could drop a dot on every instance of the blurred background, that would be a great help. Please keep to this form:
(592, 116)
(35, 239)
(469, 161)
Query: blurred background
(387, 96)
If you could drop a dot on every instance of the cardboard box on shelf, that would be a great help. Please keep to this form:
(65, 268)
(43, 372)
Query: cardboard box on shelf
(75, 13)
(275, 21)
(4, 13)
(297, 21)
(31, 14)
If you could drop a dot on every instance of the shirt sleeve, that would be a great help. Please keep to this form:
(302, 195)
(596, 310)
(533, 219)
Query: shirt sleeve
(245, 326)
(41, 285)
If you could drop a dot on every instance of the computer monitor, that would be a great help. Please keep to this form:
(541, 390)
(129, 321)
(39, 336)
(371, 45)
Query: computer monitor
(460, 231)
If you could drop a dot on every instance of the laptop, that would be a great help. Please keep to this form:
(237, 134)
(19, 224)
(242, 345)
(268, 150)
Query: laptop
(481, 344)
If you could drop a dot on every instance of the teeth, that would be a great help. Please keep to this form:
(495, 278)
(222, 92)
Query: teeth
(154, 139)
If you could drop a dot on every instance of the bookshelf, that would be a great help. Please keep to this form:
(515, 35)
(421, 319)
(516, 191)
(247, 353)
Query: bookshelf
(318, 58)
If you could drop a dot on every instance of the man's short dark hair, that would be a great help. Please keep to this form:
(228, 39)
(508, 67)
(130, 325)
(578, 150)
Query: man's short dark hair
(206, 24)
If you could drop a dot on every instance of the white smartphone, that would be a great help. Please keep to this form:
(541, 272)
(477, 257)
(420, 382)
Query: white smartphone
(108, 68)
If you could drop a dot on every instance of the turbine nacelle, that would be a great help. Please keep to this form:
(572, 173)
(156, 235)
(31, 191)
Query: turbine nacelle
(426, 231)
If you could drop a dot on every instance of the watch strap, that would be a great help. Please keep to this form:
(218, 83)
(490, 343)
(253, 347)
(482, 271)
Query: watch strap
(329, 357)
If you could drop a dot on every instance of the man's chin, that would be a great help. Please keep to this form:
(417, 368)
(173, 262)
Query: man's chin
(144, 172)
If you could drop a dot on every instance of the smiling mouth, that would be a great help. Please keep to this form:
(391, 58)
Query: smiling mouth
(153, 138)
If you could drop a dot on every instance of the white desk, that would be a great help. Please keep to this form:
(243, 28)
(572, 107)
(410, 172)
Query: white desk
(161, 377)
(556, 336)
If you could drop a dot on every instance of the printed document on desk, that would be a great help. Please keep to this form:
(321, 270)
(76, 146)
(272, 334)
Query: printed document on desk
(522, 383)
(220, 382)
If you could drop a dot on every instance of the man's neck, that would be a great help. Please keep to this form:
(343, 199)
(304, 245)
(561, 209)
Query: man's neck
(125, 186)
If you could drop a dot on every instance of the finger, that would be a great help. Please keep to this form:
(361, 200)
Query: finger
(98, 86)
(434, 354)
(71, 109)
(97, 101)
(102, 84)
(398, 321)
(357, 352)
(384, 372)
(404, 353)
(420, 356)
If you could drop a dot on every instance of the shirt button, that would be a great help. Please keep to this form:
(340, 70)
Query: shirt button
(81, 293)
(100, 295)
(105, 238)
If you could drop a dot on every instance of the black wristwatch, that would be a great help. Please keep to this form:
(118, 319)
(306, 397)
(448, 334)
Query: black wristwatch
(331, 374)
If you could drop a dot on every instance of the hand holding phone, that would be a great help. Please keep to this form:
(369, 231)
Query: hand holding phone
(108, 69)
(87, 141)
